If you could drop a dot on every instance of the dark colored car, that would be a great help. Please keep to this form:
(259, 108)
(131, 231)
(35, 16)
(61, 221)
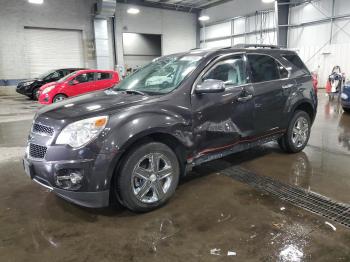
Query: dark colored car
(345, 97)
(30, 87)
(133, 142)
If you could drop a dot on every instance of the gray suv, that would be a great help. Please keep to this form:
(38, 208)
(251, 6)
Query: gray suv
(133, 142)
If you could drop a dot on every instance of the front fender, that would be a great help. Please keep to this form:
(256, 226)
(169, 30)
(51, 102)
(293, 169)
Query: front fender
(125, 129)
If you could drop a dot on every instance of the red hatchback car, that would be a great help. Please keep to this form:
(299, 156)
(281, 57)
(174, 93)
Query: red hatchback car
(77, 83)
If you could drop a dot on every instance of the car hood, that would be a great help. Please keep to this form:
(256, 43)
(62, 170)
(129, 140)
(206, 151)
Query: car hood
(101, 102)
(29, 80)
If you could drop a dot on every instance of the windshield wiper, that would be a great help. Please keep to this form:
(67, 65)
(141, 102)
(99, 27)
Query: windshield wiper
(135, 92)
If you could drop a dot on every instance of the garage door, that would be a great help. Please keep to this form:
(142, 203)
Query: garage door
(47, 49)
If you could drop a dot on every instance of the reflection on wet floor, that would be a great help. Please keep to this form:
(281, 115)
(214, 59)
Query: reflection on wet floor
(211, 217)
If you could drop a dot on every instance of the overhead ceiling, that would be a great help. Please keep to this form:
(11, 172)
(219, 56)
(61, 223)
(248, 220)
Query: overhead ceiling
(180, 5)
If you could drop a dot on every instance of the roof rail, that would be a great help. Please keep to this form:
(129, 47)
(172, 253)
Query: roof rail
(256, 46)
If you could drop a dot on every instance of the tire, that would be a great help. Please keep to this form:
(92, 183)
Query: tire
(59, 98)
(346, 110)
(298, 133)
(138, 182)
(34, 95)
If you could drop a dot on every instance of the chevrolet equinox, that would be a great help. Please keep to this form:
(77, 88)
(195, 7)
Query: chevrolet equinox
(131, 143)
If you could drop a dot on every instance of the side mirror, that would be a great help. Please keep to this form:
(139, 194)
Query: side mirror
(74, 82)
(210, 86)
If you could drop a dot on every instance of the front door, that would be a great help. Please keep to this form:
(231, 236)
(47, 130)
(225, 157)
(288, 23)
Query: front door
(85, 83)
(223, 119)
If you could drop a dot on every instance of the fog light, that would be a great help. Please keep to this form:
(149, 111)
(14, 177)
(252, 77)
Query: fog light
(69, 179)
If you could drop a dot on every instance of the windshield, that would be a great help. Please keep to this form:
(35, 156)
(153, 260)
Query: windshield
(47, 73)
(160, 76)
(66, 77)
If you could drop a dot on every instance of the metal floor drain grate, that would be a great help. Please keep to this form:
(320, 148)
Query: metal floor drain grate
(297, 196)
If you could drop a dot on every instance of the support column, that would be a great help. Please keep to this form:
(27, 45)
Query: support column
(282, 18)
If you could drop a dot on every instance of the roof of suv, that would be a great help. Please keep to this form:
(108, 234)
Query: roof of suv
(249, 48)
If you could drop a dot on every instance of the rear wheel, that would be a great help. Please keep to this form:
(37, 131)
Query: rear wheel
(298, 133)
(148, 177)
(58, 98)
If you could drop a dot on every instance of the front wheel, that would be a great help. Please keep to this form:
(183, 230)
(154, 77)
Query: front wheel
(58, 98)
(298, 133)
(34, 95)
(148, 177)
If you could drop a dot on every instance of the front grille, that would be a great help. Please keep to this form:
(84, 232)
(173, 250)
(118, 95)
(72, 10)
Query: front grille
(37, 151)
(41, 129)
(300, 197)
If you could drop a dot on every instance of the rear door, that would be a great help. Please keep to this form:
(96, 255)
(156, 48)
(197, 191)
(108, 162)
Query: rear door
(103, 80)
(271, 87)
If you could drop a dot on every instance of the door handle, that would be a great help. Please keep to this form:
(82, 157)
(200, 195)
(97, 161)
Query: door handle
(287, 86)
(245, 98)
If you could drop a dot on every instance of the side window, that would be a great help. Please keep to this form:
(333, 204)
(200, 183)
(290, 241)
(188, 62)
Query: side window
(297, 63)
(55, 75)
(61, 73)
(263, 68)
(87, 77)
(231, 71)
(103, 76)
(66, 72)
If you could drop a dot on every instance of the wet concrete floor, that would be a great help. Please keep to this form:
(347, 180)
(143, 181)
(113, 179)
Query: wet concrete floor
(211, 217)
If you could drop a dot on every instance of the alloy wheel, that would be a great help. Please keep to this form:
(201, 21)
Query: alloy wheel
(300, 132)
(152, 177)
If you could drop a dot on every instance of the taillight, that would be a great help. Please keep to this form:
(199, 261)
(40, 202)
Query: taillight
(314, 84)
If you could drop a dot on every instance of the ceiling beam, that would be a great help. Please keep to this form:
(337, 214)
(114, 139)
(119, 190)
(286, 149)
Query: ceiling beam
(162, 5)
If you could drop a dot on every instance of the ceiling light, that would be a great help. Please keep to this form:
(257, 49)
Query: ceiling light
(38, 2)
(203, 18)
(268, 1)
(133, 11)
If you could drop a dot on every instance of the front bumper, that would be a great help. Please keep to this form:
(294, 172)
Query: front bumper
(44, 99)
(94, 191)
(24, 90)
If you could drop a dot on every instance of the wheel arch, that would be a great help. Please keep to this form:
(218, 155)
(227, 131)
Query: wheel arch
(166, 138)
(60, 93)
(307, 107)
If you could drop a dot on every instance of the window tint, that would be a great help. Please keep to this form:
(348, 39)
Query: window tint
(102, 76)
(263, 68)
(296, 61)
(231, 71)
(87, 77)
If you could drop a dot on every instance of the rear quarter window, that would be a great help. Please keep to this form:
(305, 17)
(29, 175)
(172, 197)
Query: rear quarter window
(103, 76)
(299, 67)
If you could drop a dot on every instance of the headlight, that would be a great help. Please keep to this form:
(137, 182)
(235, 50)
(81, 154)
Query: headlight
(48, 89)
(82, 132)
(28, 83)
(344, 96)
